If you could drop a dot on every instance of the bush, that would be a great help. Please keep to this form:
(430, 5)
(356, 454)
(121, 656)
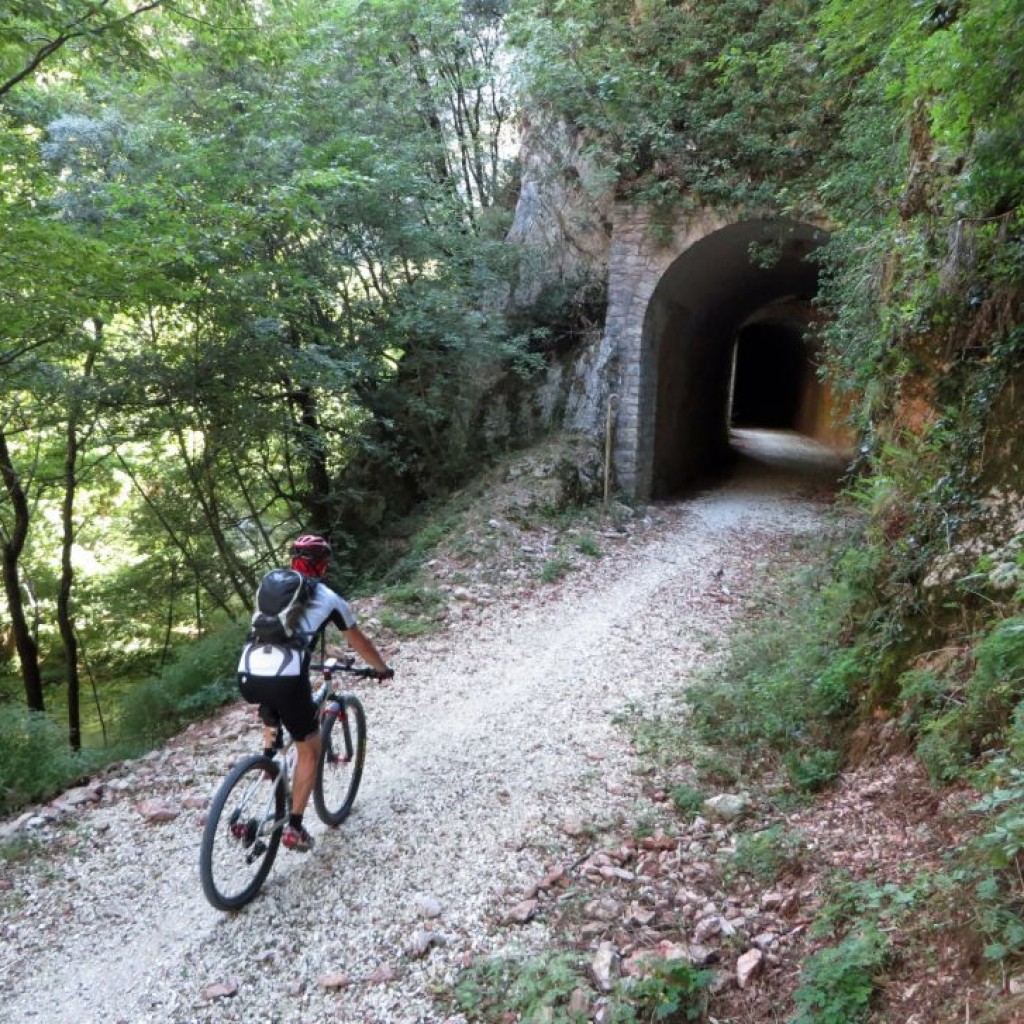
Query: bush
(837, 983)
(412, 610)
(957, 723)
(768, 854)
(554, 570)
(534, 990)
(35, 760)
(812, 770)
(687, 800)
(790, 687)
(540, 989)
(674, 992)
(202, 679)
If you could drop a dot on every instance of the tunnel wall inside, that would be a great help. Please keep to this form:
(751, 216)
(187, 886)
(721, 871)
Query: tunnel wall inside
(692, 390)
(670, 322)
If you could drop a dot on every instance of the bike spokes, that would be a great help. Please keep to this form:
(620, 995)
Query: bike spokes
(242, 834)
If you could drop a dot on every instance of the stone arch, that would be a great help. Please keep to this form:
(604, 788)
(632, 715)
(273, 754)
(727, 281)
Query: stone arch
(720, 321)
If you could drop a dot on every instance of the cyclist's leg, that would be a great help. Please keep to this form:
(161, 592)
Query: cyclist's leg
(263, 692)
(271, 720)
(300, 717)
(308, 754)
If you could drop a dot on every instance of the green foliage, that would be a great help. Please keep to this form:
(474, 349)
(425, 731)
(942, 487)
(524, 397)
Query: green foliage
(687, 800)
(210, 215)
(588, 546)
(671, 991)
(990, 868)
(1000, 919)
(849, 902)
(21, 847)
(768, 854)
(673, 95)
(1003, 841)
(555, 569)
(35, 760)
(80, 35)
(412, 610)
(201, 679)
(538, 990)
(533, 989)
(957, 720)
(837, 983)
(812, 770)
(790, 687)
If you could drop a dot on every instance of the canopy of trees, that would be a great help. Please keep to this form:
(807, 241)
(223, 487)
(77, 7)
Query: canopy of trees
(245, 246)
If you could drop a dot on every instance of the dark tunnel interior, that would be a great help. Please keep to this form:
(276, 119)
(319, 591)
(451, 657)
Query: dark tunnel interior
(769, 372)
(728, 342)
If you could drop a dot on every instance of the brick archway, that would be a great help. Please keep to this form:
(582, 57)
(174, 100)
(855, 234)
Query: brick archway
(679, 313)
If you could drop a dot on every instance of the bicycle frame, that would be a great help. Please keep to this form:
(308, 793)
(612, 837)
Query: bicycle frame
(269, 823)
(250, 810)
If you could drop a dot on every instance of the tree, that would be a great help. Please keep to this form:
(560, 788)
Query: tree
(13, 537)
(244, 267)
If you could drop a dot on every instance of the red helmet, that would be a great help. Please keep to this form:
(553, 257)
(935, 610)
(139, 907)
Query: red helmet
(311, 555)
(312, 547)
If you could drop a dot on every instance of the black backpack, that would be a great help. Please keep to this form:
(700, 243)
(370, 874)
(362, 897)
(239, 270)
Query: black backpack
(280, 600)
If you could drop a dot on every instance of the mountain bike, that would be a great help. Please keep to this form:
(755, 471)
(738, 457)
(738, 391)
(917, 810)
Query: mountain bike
(248, 814)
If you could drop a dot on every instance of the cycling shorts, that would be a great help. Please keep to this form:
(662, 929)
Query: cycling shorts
(288, 700)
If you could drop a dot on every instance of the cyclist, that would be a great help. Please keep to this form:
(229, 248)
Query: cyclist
(293, 704)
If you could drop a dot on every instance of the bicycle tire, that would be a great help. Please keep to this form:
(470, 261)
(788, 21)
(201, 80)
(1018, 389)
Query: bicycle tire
(340, 768)
(242, 833)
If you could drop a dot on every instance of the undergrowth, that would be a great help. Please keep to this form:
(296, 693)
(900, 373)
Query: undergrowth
(784, 704)
(554, 988)
(36, 762)
(790, 687)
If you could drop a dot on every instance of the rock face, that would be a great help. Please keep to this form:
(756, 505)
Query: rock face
(561, 223)
(560, 219)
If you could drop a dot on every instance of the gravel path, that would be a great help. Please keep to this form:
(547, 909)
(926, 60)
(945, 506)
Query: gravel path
(494, 735)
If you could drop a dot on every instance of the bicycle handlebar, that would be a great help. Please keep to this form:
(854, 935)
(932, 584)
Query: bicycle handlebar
(348, 665)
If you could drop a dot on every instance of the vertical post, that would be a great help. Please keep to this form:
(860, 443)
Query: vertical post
(613, 404)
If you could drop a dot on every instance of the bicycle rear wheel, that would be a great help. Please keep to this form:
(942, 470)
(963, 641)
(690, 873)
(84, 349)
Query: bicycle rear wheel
(242, 833)
(340, 769)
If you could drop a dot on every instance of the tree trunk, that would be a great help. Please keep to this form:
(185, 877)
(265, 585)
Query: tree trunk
(65, 622)
(13, 544)
(221, 600)
(204, 492)
(65, 619)
(318, 479)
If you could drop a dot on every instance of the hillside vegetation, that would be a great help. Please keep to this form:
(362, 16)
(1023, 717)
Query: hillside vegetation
(253, 272)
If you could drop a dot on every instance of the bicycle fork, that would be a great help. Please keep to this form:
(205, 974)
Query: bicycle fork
(332, 755)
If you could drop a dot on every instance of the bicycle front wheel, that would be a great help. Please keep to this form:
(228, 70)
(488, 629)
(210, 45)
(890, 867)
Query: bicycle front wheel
(340, 769)
(242, 833)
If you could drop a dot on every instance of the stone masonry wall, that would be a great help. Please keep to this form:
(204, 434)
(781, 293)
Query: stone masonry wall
(640, 255)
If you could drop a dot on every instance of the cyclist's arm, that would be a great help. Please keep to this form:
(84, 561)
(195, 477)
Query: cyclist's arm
(364, 647)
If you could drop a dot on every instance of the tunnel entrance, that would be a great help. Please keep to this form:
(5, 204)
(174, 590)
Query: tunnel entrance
(729, 342)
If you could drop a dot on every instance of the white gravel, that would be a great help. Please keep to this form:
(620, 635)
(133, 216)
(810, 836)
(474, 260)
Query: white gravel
(492, 736)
